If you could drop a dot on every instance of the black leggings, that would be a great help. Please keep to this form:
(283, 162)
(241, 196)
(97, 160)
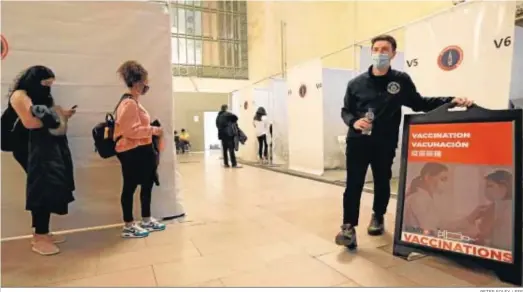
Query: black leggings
(41, 220)
(262, 147)
(138, 168)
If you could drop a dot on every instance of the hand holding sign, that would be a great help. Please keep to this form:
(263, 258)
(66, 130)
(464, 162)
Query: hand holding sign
(462, 101)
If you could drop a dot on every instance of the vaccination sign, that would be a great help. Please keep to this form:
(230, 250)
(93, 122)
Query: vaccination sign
(460, 191)
(460, 181)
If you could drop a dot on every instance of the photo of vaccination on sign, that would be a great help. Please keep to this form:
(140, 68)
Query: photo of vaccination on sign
(460, 193)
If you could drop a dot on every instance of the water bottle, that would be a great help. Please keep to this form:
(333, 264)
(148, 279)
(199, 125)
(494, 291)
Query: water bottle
(369, 115)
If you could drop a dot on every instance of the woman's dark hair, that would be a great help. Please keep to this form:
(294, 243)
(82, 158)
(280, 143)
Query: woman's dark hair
(260, 113)
(132, 72)
(504, 178)
(30, 80)
(429, 169)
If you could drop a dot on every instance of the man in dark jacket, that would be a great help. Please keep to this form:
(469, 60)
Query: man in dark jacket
(224, 122)
(372, 111)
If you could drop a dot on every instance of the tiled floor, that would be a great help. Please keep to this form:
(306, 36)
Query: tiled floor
(245, 227)
(333, 176)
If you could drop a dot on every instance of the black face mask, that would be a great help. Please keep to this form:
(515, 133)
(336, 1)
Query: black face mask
(145, 89)
(45, 91)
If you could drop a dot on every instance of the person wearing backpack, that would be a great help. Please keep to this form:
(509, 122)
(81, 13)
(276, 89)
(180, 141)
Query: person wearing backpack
(34, 129)
(226, 123)
(133, 134)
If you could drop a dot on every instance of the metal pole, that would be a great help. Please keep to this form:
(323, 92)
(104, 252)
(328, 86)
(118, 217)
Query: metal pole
(282, 50)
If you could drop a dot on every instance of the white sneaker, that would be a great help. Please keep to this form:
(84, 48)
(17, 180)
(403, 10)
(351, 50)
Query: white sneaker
(134, 231)
(152, 225)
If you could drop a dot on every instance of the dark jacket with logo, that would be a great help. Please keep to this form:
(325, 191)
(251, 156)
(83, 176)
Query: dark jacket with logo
(385, 95)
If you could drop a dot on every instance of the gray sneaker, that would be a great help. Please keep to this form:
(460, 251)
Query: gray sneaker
(347, 237)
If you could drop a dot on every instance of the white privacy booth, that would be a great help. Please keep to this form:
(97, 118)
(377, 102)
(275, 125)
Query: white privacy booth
(334, 86)
(272, 95)
(305, 118)
(84, 43)
(461, 53)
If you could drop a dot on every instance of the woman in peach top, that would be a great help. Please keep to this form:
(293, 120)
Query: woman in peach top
(134, 149)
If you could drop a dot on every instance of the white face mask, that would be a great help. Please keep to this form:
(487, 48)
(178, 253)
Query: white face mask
(380, 61)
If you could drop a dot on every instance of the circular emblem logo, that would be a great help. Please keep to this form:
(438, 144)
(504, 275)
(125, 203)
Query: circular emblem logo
(450, 58)
(245, 105)
(393, 87)
(302, 91)
(4, 47)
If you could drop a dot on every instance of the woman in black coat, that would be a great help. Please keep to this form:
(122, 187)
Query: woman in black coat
(40, 145)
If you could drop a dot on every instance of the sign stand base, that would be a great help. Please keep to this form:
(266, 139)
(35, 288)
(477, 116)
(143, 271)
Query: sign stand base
(407, 253)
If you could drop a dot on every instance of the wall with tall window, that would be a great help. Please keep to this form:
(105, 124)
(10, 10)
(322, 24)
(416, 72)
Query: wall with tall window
(209, 39)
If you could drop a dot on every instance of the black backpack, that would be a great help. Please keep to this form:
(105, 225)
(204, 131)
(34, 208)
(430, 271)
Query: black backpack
(103, 134)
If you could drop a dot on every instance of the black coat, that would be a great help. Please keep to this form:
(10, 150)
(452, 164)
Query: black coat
(223, 121)
(50, 179)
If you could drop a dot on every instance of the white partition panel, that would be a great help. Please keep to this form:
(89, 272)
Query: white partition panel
(306, 118)
(84, 43)
(516, 84)
(466, 51)
(279, 116)
(334, 87)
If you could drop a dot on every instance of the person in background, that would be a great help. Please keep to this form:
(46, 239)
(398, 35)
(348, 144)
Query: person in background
(224, 122)
(135, 152)
(184, 141)
(372, 113)
(261, 126)
(496, 227)
(41, 148)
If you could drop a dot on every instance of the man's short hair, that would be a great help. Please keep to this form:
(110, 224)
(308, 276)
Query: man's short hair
(387, 38)
(224, 107)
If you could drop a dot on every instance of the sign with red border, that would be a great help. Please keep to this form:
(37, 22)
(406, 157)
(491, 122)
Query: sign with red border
(4, 47)
(450, 58)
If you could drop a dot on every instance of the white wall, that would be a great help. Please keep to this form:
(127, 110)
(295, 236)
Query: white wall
(192, 84)
(306, 118)
(334, 86)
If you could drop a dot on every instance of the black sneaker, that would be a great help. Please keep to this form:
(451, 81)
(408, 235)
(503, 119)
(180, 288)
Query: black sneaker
(347, 237)
(226, 166)
(376, 226)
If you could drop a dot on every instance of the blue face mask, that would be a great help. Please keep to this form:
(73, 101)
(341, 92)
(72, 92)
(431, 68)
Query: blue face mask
(380, 61)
